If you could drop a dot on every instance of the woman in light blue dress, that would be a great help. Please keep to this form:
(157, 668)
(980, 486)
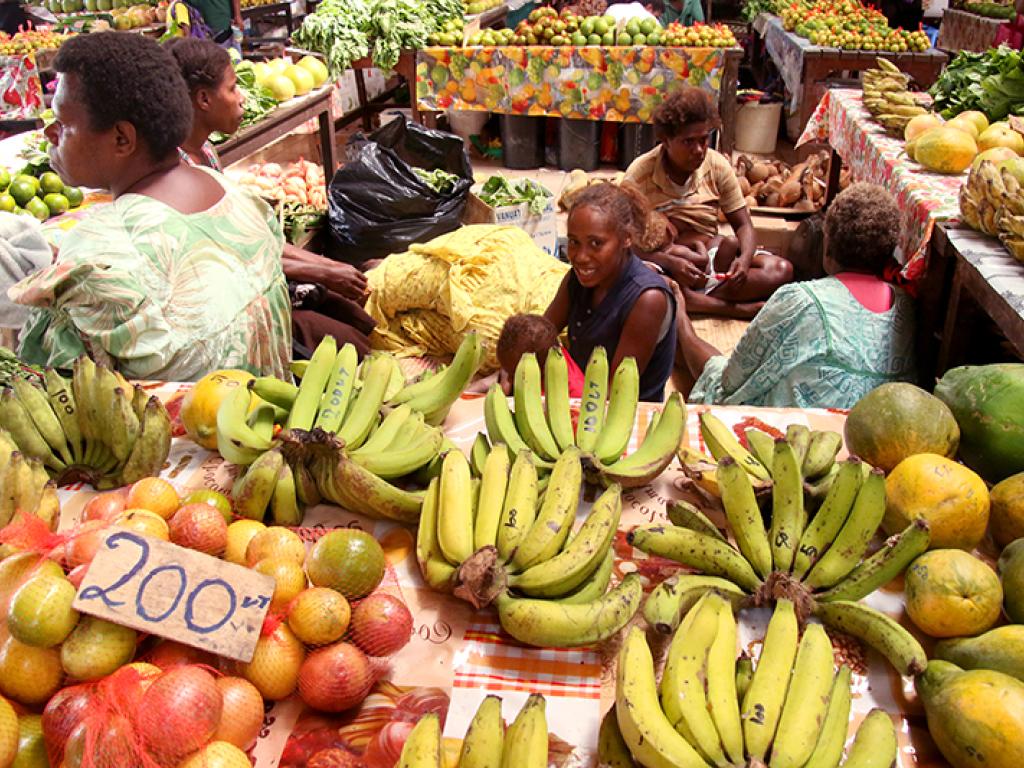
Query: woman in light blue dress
(821, 343)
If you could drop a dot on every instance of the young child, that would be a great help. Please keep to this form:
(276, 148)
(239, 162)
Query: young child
(611, 298)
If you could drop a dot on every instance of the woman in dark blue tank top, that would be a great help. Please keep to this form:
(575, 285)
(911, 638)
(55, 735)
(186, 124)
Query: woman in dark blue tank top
(610, 298)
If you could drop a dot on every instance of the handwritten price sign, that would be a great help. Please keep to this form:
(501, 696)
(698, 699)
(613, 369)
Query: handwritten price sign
(163, 589)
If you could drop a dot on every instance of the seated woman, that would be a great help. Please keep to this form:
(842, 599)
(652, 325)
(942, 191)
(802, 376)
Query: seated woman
(610, 298)
(821, 343)
(690, 183)
(217, 105)
(181, 274)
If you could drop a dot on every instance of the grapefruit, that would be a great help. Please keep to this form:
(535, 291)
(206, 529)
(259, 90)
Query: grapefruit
(156, 495)
(199, 408)
(179, 713)
(301, 78)
(951, 593)
(276, 661)
(335, 678)
(8, 733)
(946, 149)
(316, 68)
(347, 560)
(951, 497)
(95, 648)
(31, 747)
(289, 580)
(280, 86)
(145, 522)
(40, 612)
(200, 527)
(29, 675)
(218, 754)
(242, 714)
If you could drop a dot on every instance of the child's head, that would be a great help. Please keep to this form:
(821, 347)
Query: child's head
(212, 83)
(861, 228)
(522, 334)
(604, 223)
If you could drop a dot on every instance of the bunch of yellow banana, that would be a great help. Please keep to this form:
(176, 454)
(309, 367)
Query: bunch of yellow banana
(98, 427)
(822, 559)
(493, 539)
(888, 98)
(792, 711)
(25, 486)
(991, 201)
(487, 743)
(542, 423)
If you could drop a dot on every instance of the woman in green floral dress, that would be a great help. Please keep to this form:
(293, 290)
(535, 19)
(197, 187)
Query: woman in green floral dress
(181, 274)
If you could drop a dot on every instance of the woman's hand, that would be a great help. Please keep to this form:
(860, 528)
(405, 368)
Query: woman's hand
(684, 271)
(737, 274)
(344, 279)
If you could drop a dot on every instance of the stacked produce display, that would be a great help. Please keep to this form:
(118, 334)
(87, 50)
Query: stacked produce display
(849, 25)
(43, 196)
(29, 41)
(545, 26)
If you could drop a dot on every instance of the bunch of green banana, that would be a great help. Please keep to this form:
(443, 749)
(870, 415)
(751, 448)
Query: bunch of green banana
(822, 559)
(487, 743)
(989, 195)
(97, 427)
(493, 539)
(888, 98)
(793, 709)
(25, 486)
(542, 423)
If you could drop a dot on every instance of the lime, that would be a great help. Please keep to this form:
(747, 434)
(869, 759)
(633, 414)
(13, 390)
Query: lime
(578, 38)
(50, 182)
(594, 39)
(587, 26)
(22, 189)
(639, 39)
(38, 208)
(624, 39)
(632, 27)
(5, 177)
(648, 25)
(214, 499)
(600, 26)
(74, 196)
(30, 179)
(608, 38)
(7, 203)
(57, 203)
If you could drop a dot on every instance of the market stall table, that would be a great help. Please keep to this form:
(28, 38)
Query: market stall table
(805, 67)
(963, 31)
(274, 11)
(618, 84)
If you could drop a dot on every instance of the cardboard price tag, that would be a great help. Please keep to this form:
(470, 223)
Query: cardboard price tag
(163, 589)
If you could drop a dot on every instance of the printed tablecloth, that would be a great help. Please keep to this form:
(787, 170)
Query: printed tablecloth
(787, 51)
(963, 31)
(923, 197)
(20, 88)
(622, 84)
(457, 656)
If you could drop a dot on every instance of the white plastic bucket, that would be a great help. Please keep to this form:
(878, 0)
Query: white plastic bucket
(466, 122)
(757, 127)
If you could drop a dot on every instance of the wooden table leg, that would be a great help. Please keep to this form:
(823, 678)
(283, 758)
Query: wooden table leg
(949, 329)
(835, 167)
(363, 100)
(327, 149)
(406, 67)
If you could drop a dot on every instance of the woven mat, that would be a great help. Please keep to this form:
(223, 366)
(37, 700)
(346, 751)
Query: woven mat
(722, 333)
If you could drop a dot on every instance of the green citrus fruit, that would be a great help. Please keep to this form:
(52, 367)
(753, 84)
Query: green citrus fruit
(50, 182)
(347, 560)
(5, 177)
(74, 195)
(57, 203)
(37, 208)
(22, 190)
(214, 499)
(95, 648)
(31, 747)
(40, 612)
(7, 203)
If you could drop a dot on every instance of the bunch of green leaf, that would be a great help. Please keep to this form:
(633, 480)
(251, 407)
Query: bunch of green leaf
(12, 368)
(991, 82)
(499, 191)
(753, 8)
(36, 153)
(339, 29)
(297, 219)
(258, 100)
(439, 180)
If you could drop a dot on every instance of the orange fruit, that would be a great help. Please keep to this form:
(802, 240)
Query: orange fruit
(952, 498)
(242, 714)
(951, 593)
(275, 541)
(200, 527)
(276, 661)
(218, 754)
(240, 533)
(347, 560)
(319, 615)
(8, 733)
(145, 522)
(29, 675)
(199, 408)
(289, 580)
(156, 495)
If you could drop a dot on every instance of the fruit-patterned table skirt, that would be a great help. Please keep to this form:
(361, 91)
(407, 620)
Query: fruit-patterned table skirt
(21, 90)
(923, 197)
(963, 31)
(457, 656)
(621, 84)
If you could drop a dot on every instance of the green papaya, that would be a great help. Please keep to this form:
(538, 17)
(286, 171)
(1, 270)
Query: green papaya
(976, 718)
(1000, 649)
(988, 404)
(1011, 572)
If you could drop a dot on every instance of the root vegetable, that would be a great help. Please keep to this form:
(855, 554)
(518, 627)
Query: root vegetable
(760, 172)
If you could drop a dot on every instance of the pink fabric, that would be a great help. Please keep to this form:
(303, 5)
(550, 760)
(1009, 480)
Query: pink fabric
(871, 292)
(575, 375)
(1011, 33)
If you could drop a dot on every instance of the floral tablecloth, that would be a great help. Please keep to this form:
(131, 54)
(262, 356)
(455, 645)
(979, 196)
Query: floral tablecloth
(457, 656)
(923, 197)
(622, 84)
(963, 31)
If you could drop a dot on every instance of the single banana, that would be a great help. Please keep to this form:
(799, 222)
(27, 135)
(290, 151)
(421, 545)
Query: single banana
(256, 488)
(397, 427)
(340, 384)
(556, 398)
(875, 745)
(788, 513)
(744, 515)
(437, 571)
(365, 493)
(275, 391)
(853, 538)
(892, 559)
(830, 518)
(595, 586)
(612, 751)
(152, 445)
(621, 415)
(436, 402)
(37, 404)
(364, 409)
(501, 425)
(104, 391)
(233, 430)
(284, 504)
(683, 697)
(549, 624)
(479, 452)
(82, 384)
(762, 704)
(422, 748)
(655, 453)
(673, 598)
(722, 442)
(125, 425)
(520, 506)
(482, 747)
(686, 515)
(62, 400)
(16, 420)
(876, 629)
(25, 492)
(721, 683)
(762, 446)
(455, 513)
(651, 739)
(701, 470)
(592, 404)
(545, 537)
(494, 479)
(311, 390)
(571, 567)
(529, 415)
(806, 701)
(799, 436)
(398, 462)
(821, 453)
(48, 509)
(828, 750)
(744, 674)
(526, 742)
(705, 553)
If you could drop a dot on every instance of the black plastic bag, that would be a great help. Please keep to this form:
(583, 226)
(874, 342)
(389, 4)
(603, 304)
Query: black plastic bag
(378, 205)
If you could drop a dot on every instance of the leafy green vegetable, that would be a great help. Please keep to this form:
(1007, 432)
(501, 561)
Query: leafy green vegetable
(259, 102)
(752, 8)
(12, 368)
(438, 180)
(499, 191)
(991, 82)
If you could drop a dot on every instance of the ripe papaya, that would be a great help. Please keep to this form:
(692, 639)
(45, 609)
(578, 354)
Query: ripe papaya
(988, 403)
(1011, 572)
(1000, 649)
